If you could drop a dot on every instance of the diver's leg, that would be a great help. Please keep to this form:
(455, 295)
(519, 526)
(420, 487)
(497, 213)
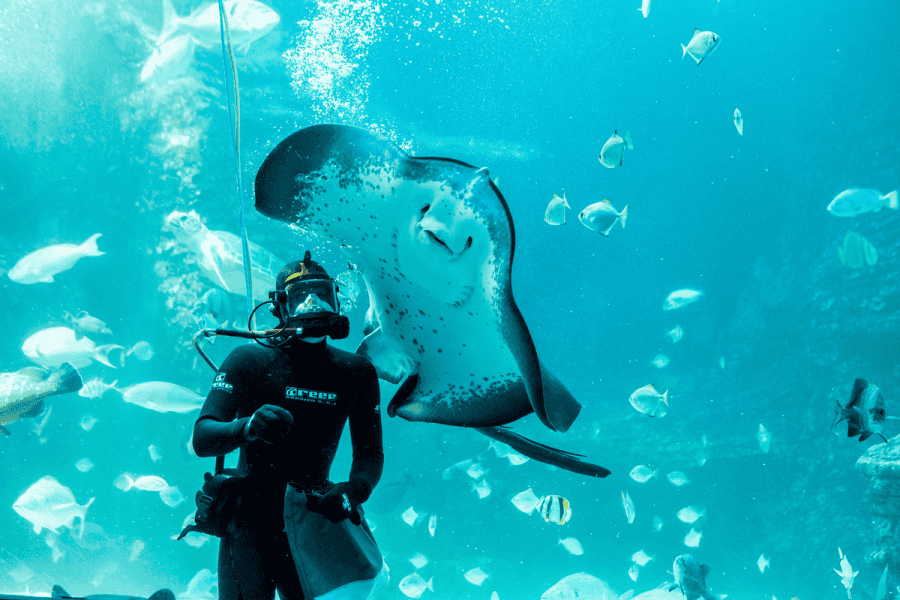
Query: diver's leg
(251, 568)
(228, 585)
(288, 583)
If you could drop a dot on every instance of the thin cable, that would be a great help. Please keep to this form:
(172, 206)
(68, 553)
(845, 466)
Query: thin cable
(234, 114)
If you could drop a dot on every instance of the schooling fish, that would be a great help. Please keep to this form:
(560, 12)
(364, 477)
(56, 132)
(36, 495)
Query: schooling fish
(864, 413)
(855, 201)
(650, 402)
(701, 45)
(22, 393)
(41, 265)
(614, 149)
(556, 509)
(601, 217)
(48, 504)
(556, 210)
(690, 578)
(83, 324)
(739, 121)
(847, 574)
(680, 298)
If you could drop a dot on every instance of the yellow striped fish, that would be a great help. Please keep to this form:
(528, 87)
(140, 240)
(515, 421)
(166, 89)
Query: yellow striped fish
(22, 393)
(555, 508)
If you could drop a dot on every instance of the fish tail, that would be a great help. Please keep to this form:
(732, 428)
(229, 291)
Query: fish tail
(170, 22)
(67, 379)
(683, 51)
(665, 397)
(429, 584)
(83, 514)
(623, 216)
(892, 200)
(101, 353)
(89, 247)
(838, 413)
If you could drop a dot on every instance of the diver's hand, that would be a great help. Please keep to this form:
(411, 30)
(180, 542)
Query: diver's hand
(338, 504)
(269, 423)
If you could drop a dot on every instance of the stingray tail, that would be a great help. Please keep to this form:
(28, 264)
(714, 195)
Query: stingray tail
(545, 454)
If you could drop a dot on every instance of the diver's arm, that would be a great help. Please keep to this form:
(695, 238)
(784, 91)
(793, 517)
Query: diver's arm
(365, 433)
(217, 430)
(217, 438)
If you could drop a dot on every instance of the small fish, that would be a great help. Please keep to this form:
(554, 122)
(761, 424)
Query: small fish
(572, 545)
(414, 586)
(526, 501)
(857, 201)
(38, 427)
(601, 217)
(162, 397)
(476, 576)
(83, 324)
(692, 539)
(41, 265)
(249, 20)
(501, 450)
(556, 210)
(54, 346)
(22, 393)
(432, 525)
(650, 402)
(675, 334)
(147, 483)
(170, 60)
(482, 488)
(155, 456)
(556, 509)
(87, 422)
(171, 496)
(84, 465)
(136, 548)
(680, 298)
(410, 516)
(722, 363)
(475, 471)
(677, 478)
(701, 45)
(419, 560)
(642, 473)
(657, 523)
(641, 558)
(645, 8)
(457, 469)
(95, 388)
(864, 413)
(764, 438)
(690, 578)
(634, 571)
(660, 361)
(628, 505)
(613, 150)
(47, 504)
(856, 251)
(847, 574)
(738, 121)
(142, 350)
(762, 562)
(690, 514)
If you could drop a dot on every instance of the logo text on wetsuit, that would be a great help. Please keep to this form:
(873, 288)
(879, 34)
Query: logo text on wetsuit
(313, 396)
(219, 383)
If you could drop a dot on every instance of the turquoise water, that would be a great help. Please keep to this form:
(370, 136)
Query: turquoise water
(531, 90)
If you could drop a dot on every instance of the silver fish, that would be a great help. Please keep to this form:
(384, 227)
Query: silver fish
(41, 265)
(739, 121)
(54, 346)
(95, 388)
(22, 393)
(847, 574)
(645, 8)
(701, 45)
(47, 504)
(856, 201)
(642, 474)
(83, 324)
(690, 578)
(556, 210)
(163, 397)
(248, 20)
(613, 150)
(628, 505)
(650, 402)
(414, 586)
(601, 217)
(680, 298)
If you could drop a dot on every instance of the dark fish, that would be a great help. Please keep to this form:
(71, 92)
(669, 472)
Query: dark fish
(22, 393)
(864, 413)
(690, 578)
(388, 496)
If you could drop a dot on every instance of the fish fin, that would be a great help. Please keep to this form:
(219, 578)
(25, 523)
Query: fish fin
(34, 410)
(704, 571)
(623, 215)
(864, 436)
(700, 61)
(628, 142)
(839, 414)
(672, 587)
(68, 379)
(4, 430)
(543, 453)
(83, 515)
(853, 430)
(387, 356)
(696, 31)
(89, 246)
(101, 353)
(47, 279)
(36, 372)
(859, 386)
(371, 322)
(893, 200)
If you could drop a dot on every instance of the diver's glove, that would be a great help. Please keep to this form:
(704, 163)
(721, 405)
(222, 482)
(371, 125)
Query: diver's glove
(341, 502)
(269, 423)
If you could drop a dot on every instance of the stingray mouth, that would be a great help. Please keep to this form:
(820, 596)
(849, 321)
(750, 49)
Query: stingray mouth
(435, 239)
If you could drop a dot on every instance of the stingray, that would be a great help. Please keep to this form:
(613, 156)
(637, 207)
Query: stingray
(433, 239)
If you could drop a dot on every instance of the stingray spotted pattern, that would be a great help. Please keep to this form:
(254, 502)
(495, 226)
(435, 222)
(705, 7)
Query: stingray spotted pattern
(434, 239)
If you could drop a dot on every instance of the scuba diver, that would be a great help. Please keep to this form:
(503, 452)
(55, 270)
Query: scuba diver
(284, 401)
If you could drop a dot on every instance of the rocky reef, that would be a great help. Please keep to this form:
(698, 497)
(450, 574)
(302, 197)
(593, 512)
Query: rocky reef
(881, 465)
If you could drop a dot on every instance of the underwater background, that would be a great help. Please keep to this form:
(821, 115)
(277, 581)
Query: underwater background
(531, 90)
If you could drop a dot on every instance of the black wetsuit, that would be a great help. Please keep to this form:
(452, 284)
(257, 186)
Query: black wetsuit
(321, 387)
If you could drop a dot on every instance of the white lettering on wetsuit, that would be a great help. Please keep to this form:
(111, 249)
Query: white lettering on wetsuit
(313, 396)
(219, 383)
